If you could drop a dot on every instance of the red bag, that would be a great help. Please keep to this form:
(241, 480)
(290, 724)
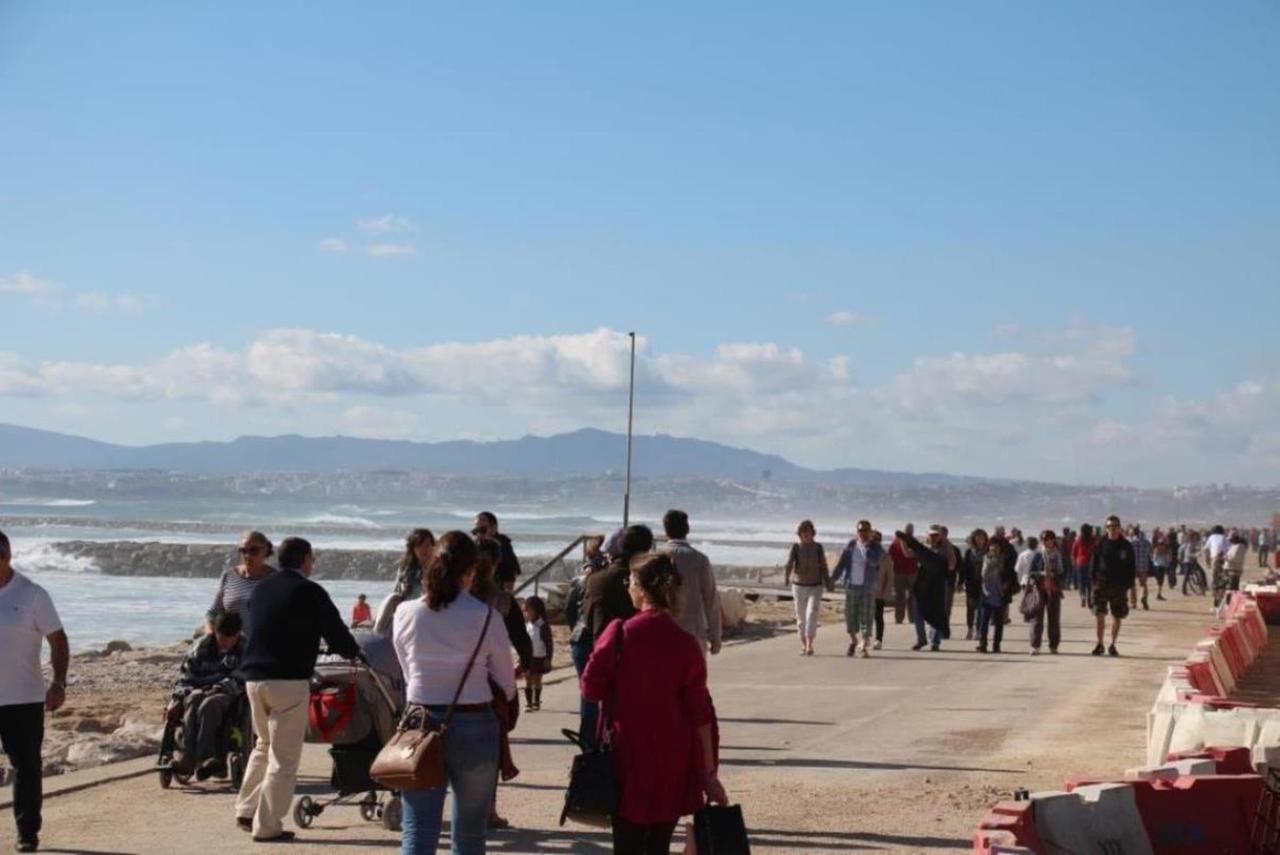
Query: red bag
(331, 710)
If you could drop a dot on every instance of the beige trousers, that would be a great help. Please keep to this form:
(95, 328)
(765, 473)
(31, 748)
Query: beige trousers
(280, 723)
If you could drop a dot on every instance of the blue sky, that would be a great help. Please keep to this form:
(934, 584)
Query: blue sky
(1020, 239)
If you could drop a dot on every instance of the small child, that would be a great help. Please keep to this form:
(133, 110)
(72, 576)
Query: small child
(535, 616)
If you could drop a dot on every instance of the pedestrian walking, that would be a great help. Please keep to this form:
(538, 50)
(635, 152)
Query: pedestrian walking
(971, 578)
(1189, 558)
(1049, 575)
(1066, 543)
(28, 620)
(486, 526)
(435, 637)
(236, 584)
(1082, 558)
(1114, 573)
(539, 630)
(288, 615)
(930, 588)
(653, 679)
(884, 588)
(1142, 565)
(859, 568)
(579, 642)
(419, 547)
(699, 612)
(807, 575)
(904, 577)
(999, 581)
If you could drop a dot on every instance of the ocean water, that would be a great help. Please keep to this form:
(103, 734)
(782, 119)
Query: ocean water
(97, 608)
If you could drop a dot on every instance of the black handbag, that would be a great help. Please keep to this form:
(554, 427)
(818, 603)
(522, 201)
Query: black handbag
(719, 830)
(592, 796)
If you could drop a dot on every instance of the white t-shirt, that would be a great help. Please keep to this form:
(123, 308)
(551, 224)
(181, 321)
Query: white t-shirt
(27, 615)
(535, 635)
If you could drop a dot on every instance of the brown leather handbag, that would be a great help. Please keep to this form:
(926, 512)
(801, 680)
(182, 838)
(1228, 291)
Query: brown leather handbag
(413, 758)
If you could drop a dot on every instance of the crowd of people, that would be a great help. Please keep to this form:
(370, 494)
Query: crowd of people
(1111, 569)
(643, 619)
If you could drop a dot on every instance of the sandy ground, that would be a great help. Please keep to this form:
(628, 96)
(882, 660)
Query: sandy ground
(899, 753)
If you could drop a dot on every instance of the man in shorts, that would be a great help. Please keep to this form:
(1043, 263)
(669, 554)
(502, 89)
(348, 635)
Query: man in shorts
(1114, 572)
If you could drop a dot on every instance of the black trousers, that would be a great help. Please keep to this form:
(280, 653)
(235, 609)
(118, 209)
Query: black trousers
(22, 735)
(632, 839)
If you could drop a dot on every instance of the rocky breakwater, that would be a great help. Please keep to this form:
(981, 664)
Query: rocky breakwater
(197, 560)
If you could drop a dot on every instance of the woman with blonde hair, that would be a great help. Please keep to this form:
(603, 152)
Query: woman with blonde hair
(238, 582)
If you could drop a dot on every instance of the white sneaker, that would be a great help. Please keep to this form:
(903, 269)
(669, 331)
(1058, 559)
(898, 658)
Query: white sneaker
(876, 646)
(1035, 651)
(865, 654)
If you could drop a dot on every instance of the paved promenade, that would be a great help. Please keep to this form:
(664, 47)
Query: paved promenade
(897, 753)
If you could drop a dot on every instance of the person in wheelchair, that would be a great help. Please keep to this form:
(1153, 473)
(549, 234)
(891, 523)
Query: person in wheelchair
(209, 692)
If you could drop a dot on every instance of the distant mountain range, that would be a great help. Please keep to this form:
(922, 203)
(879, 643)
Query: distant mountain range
(582, 453)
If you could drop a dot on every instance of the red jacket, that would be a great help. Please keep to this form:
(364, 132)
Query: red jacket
(1082, 553)
(904, 563)
(658, 695)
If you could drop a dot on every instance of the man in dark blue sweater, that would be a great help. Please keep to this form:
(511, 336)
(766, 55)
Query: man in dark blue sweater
(288, 615)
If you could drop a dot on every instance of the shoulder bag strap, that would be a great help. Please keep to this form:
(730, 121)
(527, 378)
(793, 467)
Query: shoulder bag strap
(484, 631)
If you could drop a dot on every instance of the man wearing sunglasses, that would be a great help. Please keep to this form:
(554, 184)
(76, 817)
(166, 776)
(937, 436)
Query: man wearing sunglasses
(1114, 571)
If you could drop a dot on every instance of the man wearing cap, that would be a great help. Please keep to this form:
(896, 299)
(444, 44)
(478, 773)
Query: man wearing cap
(930, 588)
(858, 567)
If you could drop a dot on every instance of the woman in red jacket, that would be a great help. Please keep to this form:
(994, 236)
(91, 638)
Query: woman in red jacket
(1082, 557)
(652, 678)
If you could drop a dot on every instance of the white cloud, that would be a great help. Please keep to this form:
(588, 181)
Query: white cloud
(389, 250)
(44, 293)
(95, 303)
(386, 224)
(28, 285)
(845, 318)
(1062, 410)
(333, 244)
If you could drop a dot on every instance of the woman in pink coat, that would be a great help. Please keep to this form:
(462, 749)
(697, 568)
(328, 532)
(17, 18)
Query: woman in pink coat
(652, 678)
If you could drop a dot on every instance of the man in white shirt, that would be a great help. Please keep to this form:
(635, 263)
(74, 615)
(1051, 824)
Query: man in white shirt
(1026, 560)
(27, 617)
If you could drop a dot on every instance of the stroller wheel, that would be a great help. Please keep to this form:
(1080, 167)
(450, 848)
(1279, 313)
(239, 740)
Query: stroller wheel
(166, 779)
(392, 814)
(369, 808)
(304, 812)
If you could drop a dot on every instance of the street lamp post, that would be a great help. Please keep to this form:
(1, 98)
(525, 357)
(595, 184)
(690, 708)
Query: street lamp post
(631, 409)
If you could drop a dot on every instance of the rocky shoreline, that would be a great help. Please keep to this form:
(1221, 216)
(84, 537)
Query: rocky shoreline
(203, 560)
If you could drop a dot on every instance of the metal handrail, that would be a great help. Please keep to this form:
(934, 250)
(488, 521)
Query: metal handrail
(533, 580)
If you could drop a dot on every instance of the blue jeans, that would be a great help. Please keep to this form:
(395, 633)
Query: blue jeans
(991, 617)
(588, 711)
(1086, 585)
(935, 635)
(471, 765)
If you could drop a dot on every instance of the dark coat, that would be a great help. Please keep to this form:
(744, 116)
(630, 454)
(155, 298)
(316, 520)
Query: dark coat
(930, 587)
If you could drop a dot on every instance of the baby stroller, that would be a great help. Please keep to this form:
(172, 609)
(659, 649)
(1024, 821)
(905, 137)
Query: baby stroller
(354, 709)
(234, 741)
